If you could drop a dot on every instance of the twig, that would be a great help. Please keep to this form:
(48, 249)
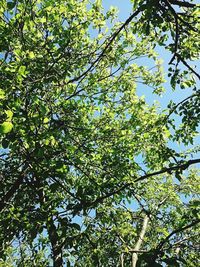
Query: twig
(187, 65)
(180, 103)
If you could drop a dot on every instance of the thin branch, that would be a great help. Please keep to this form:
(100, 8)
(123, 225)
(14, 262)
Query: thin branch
(114, 36)
(142, 178)
(187, 65)
(159, 247)
(13, 189)
(182, 4)
(19, 181)
(142, 206)
(180, 103)
(167, 2)
(178, 243)
(138, 251)
(65, 189)
(169, 170)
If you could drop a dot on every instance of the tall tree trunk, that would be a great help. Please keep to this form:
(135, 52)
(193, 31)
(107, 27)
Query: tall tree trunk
(139, 242)
(56, 246)
(51, 228)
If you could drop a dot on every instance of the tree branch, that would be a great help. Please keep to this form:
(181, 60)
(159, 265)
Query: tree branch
(114, 36)
(159, 247)
(180, 103)
(182, 4)
(187, 65)
(141, 178)
(140, 240)
(169, 170)
(12, 190)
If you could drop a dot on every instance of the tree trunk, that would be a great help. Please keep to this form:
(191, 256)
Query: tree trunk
(139, 242)
(56, 247)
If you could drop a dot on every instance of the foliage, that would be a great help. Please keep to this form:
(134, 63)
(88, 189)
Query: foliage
(88, 176)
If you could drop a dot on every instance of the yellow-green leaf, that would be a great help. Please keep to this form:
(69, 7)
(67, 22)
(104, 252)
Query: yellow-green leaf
(31, 55)
(9, 114)
(6, 127)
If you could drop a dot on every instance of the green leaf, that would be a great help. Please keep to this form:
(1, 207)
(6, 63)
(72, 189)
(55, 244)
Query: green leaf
(22, 70)
(9, 114)
(31, 55)
(6, 127)
(11, 5)
(76, 226)
(5, 143)
(2, 94)
(172, 262)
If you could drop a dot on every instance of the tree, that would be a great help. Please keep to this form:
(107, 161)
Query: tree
(79, 144)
